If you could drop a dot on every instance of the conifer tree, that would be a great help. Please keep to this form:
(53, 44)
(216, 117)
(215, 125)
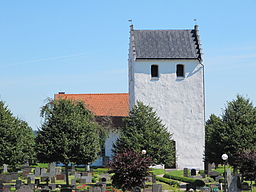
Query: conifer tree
(145, 131)
(69, 134)
(16, 139)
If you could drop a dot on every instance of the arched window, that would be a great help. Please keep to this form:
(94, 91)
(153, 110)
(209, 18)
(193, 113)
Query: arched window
(154, 71)
(180, 70)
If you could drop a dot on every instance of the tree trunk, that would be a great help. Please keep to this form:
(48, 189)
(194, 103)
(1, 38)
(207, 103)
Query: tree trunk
(66, 171)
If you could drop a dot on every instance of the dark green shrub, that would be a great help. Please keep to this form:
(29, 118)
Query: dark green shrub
(197, 182)
(167, 181)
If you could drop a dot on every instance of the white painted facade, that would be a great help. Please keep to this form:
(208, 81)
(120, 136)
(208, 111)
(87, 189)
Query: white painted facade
(179, 102)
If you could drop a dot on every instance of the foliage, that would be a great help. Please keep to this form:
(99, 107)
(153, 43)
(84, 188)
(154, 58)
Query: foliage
(234, 131)
(130, 169)
(144, 131)
(214, 131)
(246, 163)
(168, 181)
(197, 182)
(240, 127)
(69, 134)
(16, 139)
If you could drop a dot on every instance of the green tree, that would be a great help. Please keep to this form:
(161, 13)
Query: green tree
(69, 134)
(144, 131)
(214, 132)
(234, 132)
(16, 139)
(239, 134)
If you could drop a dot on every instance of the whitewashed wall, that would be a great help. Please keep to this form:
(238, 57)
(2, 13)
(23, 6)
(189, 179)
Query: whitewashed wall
(179, 102)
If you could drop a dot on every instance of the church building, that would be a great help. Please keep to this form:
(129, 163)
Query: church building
(167, 73)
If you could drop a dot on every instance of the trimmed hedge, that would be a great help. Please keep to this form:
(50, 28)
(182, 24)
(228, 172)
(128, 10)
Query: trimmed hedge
(197, 182)
(167, 181)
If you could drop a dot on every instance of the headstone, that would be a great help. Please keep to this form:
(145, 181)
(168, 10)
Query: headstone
(58, 170)
(37, 171)
(193, 172)
(25, 188)
(37, 181)
(149, 179)
(217, 179)
(86, 179)
(157, 188)
(232, 184)
(60, 177)
(73, 170)
(44, 179)
(5, 170)
(77, 176)
(73, 182)
(18, 184)
(52, 186)
(43, 171)
(88, 167)
(29, 180)
(53, 179)
(52, 167)
(136, 189)
(185, 172)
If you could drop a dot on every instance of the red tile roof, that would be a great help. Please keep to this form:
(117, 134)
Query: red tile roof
(106, 104)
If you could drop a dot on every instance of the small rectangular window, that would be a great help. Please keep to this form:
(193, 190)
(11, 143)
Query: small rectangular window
(154, 71)
(180, 70)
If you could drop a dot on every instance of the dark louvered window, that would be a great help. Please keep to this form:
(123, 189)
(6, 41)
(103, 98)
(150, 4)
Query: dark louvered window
(154, 70)
(180, 70)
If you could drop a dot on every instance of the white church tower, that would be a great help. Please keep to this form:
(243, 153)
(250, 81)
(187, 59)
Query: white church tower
(166, 72)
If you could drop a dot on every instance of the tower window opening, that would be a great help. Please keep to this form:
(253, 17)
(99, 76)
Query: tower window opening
(180, 70)
(154, 71)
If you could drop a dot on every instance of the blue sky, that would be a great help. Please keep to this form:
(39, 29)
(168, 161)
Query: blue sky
(81, 46)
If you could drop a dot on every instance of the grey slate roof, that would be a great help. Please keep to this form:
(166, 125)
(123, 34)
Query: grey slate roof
(166, 44)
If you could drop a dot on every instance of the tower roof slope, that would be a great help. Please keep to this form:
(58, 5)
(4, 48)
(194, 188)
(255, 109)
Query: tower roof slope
(105, 104)
(166, 44)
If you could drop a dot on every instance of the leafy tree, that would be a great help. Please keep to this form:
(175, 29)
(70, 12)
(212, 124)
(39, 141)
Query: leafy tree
(214, 148)
(144, 131)
(130, 169)
(239, 134)
(246, 163)
(16, 139)
(235, 131)
(69, 134)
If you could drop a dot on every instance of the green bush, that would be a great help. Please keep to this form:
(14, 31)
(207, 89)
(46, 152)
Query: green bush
(197, 182)
(167, 181)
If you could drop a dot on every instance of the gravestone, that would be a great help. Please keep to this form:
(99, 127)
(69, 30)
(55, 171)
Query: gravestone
(156, 188)
(73, 182)
(73, 170)
(37, 181)
(60, 177)
(37, 171)
(58, 170)
(52, 167)
(185, 172)
(193, 172)
(53, 180)
(149, 179)
(77, 176)
(43, 171)
(25, 188)
(52, 186)
(5, 170)
(28, 180)
(18, 184)
(86, 179)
